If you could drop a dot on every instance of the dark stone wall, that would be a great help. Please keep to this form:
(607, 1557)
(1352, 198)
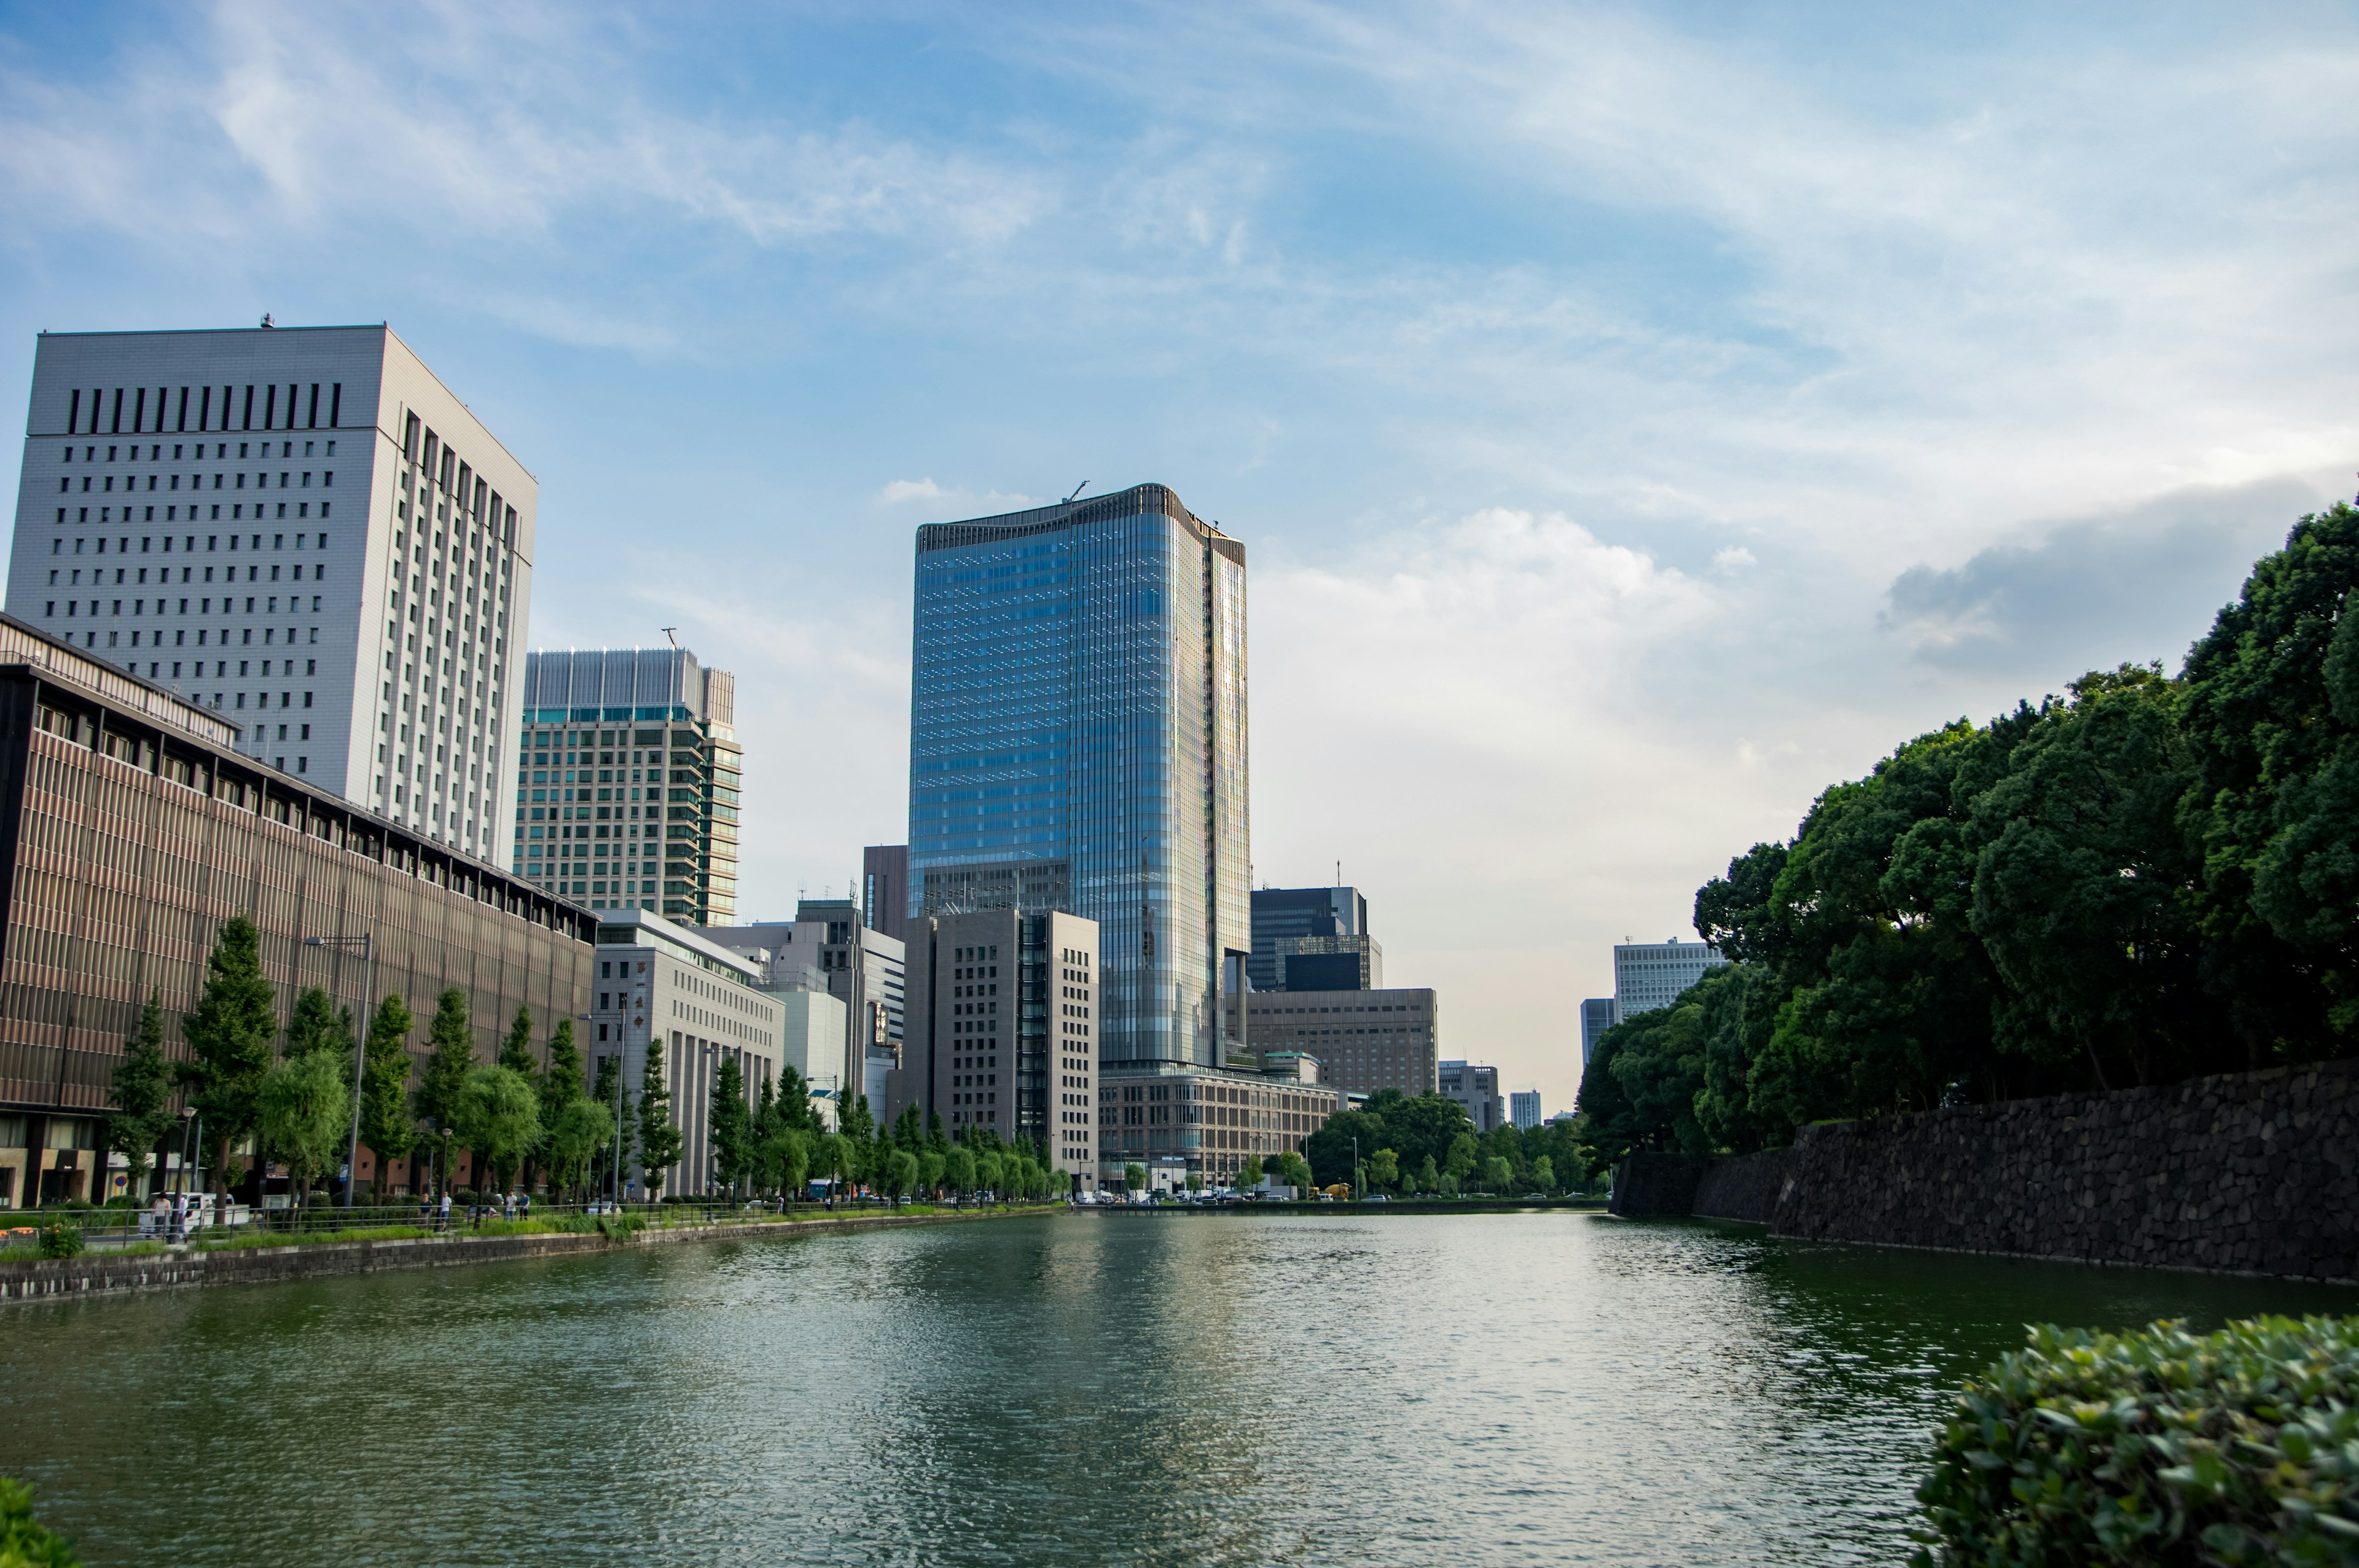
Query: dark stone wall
(1743, 1186)
(2251, 1173)
(1652, 1186)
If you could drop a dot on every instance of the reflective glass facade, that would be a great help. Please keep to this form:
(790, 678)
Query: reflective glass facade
(1077, 743)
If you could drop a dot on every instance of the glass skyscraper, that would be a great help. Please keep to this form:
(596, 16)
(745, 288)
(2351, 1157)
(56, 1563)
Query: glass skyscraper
(1077, 743)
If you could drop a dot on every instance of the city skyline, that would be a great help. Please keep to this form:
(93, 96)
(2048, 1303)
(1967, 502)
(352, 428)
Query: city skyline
(1640, 419)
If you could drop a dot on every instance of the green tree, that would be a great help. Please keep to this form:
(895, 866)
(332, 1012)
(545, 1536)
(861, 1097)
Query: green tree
(1293, 1171)
(900, 1173)
(2271, 720)
(932, 1167)
(560, 1084)
(958, 1169)
(660, 1140)
(794, 1100)
(1133, 1177)
(142, 1092)
(449, 1056)
(516, 1050)
(306, 1109)
(1249, 1172)
(730, 1123)
(573, 1137)
(229, 1037)
(316, 1025)
(1383, 1169)
(1428, 1176)
(1498, 1175)
(2082, 881)
(388, 1125)
(1544, 1174)
(608, 1095)
(1462, 1155)
(499, 1115)
(1330, 1150)
(1195, 1181)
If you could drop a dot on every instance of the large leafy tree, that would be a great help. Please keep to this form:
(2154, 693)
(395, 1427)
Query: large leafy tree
(142, 1093)
(499, 1115)
(229, 1037)
(731, 1124)
(306, 1115)
(2272, 727)
(388, 1126)
(441, 1088)
(660, 1140)
(2082, 885)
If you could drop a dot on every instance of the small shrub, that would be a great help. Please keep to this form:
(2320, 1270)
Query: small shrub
(26, 1540)
(2240, 1447)
(60, 1239)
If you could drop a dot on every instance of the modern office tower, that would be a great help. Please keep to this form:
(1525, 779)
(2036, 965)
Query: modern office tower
(628, 793)
(1648, 975)
(301, 529)
(133, 826)
(1596, 1018)
(1330, 964)
(885, 889)
(1283, 914)
(700, 1006)
(828, 943)
(1003, 1029)
(1524, 1109)
(1365, 1040)
(1077, 743)
(1477, 1089)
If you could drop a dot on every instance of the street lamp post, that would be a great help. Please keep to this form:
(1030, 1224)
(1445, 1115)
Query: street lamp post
(367, 942)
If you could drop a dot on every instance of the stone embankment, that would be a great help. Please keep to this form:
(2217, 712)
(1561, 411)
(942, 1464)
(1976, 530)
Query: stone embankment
(2248, 1172)
(114, 1273)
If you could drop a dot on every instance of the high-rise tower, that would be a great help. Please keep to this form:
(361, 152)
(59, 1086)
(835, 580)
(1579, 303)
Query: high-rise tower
(1077, 743)
(652, 736)
(302, 529)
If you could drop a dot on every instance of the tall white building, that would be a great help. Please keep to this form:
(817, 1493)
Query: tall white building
(1648, 975)
(302, 528)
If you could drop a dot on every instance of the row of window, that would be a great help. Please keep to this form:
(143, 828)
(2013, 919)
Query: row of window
(213, 513)
(196, 481)
(221, 452)
(164, 607)
(165, 413)
(213, 543)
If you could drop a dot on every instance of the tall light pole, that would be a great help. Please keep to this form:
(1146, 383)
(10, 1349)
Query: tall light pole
(367, 944)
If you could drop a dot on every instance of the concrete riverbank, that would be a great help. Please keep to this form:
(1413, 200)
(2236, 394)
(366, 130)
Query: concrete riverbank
(116, 1273)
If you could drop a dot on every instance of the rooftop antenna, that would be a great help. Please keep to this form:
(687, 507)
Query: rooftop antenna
(1338, 873)
(668, 632)
(1067, 502)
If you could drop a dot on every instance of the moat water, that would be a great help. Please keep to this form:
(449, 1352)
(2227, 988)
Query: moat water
(1084, 1390)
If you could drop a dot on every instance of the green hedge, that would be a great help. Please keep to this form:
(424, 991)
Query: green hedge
(2240, 1447)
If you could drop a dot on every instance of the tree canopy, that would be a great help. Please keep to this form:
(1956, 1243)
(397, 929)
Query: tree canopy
(2145, 879)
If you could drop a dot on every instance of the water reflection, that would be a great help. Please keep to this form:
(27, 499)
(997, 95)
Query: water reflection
(1203, 1388)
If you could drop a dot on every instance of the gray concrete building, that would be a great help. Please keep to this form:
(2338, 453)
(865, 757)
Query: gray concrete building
(700, 1005)
(1365, 1040)
(630, 780)
(829, 947)
(885, 889)
(1003, 1029)
(1476, 1088)
(302, 530)
(1596, 1018)
(1177, 1120)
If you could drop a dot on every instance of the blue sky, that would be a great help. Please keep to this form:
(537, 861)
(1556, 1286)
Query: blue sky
(1639, 417)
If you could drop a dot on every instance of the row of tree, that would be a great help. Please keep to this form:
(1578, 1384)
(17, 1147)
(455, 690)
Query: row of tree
(2149, 879)
(1424, 1144)
(515, 1115)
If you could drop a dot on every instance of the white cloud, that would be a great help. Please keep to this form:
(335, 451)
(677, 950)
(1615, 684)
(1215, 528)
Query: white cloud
(1732, 556)
(955, 500)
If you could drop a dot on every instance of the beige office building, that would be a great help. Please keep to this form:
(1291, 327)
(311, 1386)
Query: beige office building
(1178, 1119)
(1365, 1040)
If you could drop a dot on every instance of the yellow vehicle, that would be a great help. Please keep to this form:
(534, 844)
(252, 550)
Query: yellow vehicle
(1339, 1192)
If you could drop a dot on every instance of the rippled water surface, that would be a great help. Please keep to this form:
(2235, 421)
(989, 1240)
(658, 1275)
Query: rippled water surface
(1084, 1390)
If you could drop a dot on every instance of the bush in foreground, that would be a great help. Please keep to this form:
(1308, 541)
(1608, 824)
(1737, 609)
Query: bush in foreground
(2240, 1447)
(25, 1540)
